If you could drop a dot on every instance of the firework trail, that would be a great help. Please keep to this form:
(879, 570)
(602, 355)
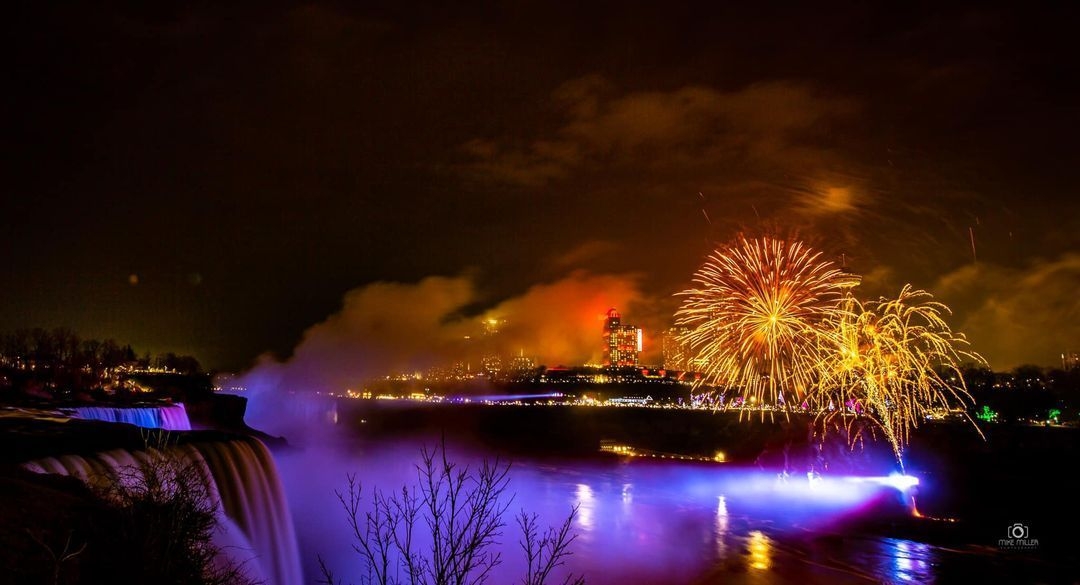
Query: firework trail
(890, 362)
(757, 317)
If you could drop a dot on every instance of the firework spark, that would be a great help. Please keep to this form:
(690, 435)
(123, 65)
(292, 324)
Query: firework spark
(891, 362)
(757, 317)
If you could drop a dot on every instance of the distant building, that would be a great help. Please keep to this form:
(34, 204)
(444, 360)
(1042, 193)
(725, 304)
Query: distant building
(849, 280)
(1070, 360)
(622, 343)
(492, 364)
(521, 363)
(676, 352)
(492, 326)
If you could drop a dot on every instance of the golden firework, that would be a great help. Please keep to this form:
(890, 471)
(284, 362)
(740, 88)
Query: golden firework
(758, 316)
(890, 362)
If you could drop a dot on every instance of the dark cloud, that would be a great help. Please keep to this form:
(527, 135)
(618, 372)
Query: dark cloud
(758, 132)
(1018, 316)
(585, 254)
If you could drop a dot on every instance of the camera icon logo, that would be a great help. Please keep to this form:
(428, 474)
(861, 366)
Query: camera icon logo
(1018, 531)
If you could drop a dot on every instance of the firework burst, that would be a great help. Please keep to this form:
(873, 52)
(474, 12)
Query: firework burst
(890, 362)
(757, 316)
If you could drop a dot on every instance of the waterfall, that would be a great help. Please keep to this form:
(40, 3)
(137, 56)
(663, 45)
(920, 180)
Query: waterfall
(172, 417)
(241, 475)
(251, 494)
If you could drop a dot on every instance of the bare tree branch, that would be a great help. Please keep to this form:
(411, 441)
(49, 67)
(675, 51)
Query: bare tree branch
(462, 509)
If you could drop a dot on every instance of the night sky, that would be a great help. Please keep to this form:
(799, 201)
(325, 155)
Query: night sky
(215, 180)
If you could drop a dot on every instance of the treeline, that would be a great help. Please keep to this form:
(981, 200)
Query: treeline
(1027, 393)
(56, 362)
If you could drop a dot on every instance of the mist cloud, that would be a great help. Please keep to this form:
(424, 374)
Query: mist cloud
(386, 328)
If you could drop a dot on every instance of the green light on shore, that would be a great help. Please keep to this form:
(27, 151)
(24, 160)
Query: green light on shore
(987, 414)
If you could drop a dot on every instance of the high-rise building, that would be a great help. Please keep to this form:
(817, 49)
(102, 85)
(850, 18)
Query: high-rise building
(521, 363)
(679, 355)
(622, 343)
(676, 353)
(492, 364)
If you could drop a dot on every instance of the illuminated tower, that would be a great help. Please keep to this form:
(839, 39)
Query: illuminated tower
(622, 343)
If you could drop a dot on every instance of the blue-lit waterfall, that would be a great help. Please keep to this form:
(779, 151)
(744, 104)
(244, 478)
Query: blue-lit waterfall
(172, 417)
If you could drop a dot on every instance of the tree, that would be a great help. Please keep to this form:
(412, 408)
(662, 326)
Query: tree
(163, 516)
(1029, 377)
(462, 510)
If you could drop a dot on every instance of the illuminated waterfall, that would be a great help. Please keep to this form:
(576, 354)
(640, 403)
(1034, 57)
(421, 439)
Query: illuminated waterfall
(241, 474)
(172, 417)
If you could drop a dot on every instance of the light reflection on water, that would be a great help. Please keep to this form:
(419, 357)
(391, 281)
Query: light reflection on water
(760, 551)
(911, 560)
(660, 522)
(721, 527)
(585, 504)
(638, 521)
